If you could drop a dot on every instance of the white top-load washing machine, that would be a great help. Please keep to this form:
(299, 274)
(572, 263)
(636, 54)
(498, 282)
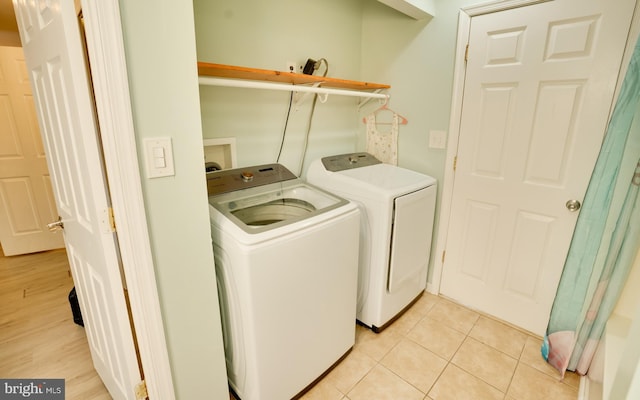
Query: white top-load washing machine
(396, 229)
(286, 259)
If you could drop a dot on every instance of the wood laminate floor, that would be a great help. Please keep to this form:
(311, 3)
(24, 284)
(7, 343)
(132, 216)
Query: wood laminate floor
(38, 338)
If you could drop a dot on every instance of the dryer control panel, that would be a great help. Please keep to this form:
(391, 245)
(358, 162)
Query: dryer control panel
(349, 161)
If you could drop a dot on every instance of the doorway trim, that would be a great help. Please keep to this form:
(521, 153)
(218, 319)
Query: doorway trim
(464, 26)
(459, 75)
(115, 119)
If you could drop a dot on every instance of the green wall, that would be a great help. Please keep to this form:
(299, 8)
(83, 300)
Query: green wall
(362, 40)
(161, 62)
(417, 58)
(261, 34)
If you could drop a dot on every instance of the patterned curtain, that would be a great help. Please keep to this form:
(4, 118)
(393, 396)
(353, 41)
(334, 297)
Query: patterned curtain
(606, 239)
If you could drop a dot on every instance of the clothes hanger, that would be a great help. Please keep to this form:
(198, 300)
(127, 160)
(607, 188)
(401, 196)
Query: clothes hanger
(384, 107)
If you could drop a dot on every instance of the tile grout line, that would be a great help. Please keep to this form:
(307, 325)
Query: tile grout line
(491, 347)
(450, 360)
(517, 365)
(403, 334)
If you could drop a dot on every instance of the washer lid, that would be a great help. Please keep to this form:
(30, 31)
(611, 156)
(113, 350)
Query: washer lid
(271, 206)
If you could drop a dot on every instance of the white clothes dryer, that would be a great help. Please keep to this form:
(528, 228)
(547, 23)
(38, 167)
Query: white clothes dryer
(286, 259)
(398, 207)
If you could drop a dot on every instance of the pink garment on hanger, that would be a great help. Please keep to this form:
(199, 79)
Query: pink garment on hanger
(383, 145)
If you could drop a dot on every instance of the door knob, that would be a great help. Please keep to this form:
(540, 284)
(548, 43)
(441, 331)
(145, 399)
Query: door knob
(573, 205)
(56, 226)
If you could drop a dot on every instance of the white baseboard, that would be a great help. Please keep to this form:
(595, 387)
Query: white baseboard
(589, 389)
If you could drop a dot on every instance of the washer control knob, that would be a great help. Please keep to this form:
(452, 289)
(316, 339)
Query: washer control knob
(353, 159)
(247, 176)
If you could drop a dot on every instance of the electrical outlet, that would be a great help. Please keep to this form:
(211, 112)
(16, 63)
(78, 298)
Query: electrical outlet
(292, 67)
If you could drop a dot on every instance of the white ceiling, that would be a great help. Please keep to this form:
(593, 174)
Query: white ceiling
(7, 17)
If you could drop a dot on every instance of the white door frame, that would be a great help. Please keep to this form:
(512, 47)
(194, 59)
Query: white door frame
(115, 118)
(459, 73)
(464, 26)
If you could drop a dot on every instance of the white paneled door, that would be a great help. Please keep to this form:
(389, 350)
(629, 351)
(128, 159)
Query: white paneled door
(537, 95)
(26, 197)
(54, 54)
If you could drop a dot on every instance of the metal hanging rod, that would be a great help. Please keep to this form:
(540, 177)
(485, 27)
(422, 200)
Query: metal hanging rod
(212, 81)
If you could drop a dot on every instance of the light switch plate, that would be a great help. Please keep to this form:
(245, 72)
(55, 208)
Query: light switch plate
(437, 139)
(158, 154)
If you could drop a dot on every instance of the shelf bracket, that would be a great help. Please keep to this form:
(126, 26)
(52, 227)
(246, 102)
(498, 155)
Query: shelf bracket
(368, 99)
(301, 97)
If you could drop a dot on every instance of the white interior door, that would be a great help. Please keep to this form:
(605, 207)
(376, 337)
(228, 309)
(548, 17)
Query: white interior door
(26, 196)
(537, 95)
(55, 60)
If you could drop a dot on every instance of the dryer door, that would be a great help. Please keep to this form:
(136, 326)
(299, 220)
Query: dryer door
(411, 238)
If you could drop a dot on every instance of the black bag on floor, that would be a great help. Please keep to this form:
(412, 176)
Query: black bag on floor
(75, 307)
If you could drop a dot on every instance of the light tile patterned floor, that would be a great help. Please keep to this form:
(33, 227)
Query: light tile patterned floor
(439, 350)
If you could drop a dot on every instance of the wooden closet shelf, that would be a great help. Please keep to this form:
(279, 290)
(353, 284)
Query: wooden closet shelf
(234, 72)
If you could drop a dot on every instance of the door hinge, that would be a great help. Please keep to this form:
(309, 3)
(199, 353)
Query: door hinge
(455, 162)
(141, 391)
(444, 253)
(112, 220)
(466, 53)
